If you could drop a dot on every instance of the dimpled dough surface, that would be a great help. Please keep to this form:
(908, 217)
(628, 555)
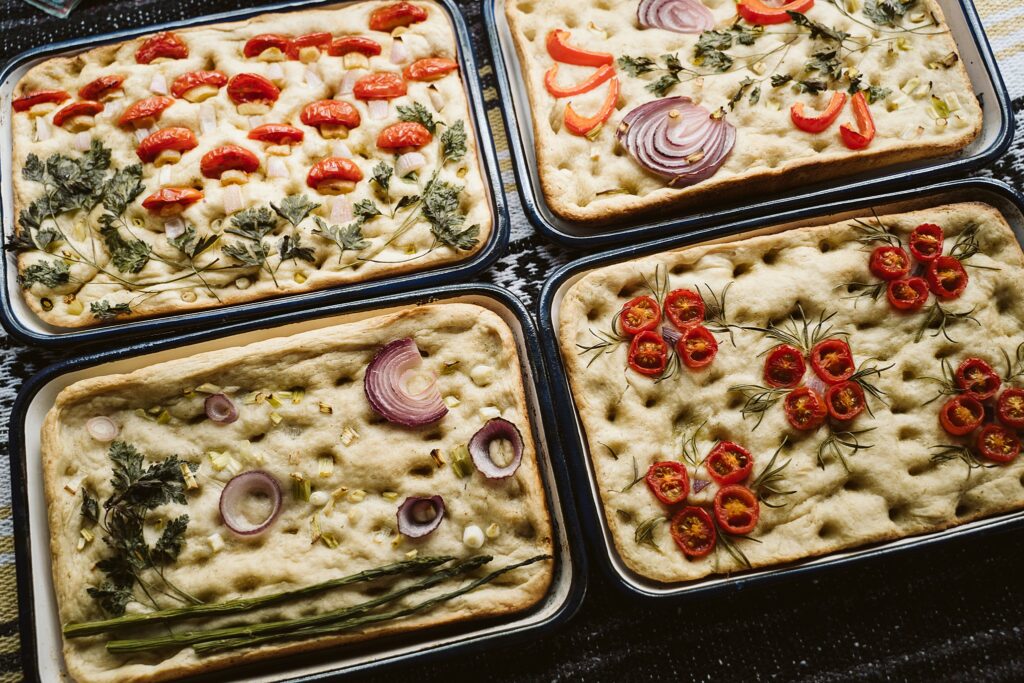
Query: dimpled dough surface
(892, 489)
(219, 47)
(770, 153)
(329, 364)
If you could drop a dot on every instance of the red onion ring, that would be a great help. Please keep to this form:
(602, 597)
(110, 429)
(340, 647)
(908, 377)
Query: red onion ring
(681, 16)
(671, 335)
(700, 484)
(420, 515)
(386, 386)
(102, 428)
(220, 408)
(480, 448)
(256, 481)
(677, 139)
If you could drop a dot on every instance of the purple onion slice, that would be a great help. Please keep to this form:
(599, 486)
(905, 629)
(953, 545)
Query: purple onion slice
(220, 408)
(671, 335)
(700, 484)
(420, 515)
(677, 139)
(398, 390)
(102, 428)
(493, 431)
(248, 485)
(681, 16)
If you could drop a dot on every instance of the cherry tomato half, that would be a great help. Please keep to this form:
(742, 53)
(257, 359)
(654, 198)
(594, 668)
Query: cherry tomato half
(805, 409)
(333, 175)
(729, 463)
(640, 314)
(926, 242)
(832, 360)
(385, 85)
(784, 367)
(668, 481)
(736, 509)
(76, 109)
(685, 308)
(247, 87)
(228, 158)
(176, 139)
(340, 47)
(164, 45)
(910, 294)
(697, 347)
(693, 531)
(648, 353)
(946, 277)
(1010, 408)
(998, 444)
(430, 69)
(391, 17)
(101, 87)
(330, 112)
(845, 400)
(26, 102)
(144, 112)
(277, 134)
(561, 51)
(186, 82)
(961, 415)
(889, 263)
(320, 41)
(257, 45)
(403, 135)
(977, 379)
(171, 200)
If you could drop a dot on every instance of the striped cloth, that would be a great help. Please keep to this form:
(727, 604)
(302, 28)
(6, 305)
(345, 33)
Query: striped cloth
(1004, 23)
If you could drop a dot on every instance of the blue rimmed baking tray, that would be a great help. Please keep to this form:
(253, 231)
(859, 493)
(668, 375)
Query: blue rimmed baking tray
(38, 621)
(994, 139)
(574, 443)
(23, 324)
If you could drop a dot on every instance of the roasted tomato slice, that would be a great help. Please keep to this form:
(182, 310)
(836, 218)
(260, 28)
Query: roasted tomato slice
(845, 400)
(391, 17)
(639, 314)
(183, 84)
(910, 294)
(277, 134)
(759, 12)
(26, 102)
(76, 109)
(164, 45)
(669, 482)
(430, 69)
(171, 200)
(228, 158)
(978, 379)
(561, 51)
(685, 308)
(961, 415)
(648, 353)
(385, 85)
(889, 263)
(404, 135)
(101, 87)
(244, 88)
(736, 509)
(926, 242)
(144, 112)
(1010, 408)
(805, 409)
(998, 444)
(174, 139)
(832, 360)
(334, 175)
(729, 463)
(257, 45)
(946, 277)
(330, 112)
(697, 347)
(693, 531)
(318, 41)
(340, 47)
(784, 367)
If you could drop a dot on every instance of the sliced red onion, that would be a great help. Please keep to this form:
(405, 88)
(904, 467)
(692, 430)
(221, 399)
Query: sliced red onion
(493, 431)
(418, 516)
(83, 141)
(700, 484)
(341, 210)
(158, 85)
(387, 386)
(102, 428)
(671, 335)
(174, 227)
(399, 52)
(241, 487)
(681, 16)
(232, 199)
(677, 139)
(378, 109)
(43, 130)
(207, 118)
(276, 168)
(407, 163)
(220, 408)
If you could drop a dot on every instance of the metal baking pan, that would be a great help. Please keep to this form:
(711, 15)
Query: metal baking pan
(994, 139)
(19, 320)
(39, 624)
(1004, 198)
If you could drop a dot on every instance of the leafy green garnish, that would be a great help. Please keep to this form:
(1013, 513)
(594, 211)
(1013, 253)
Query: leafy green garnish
(779, 80)
(826, 62)
(348, 238)
(877, 93)
(709, 50)
(365, 210)
(637, 66)
(253, 224)
(417, 113)
(887, 12)
(382, 176)
(441, 209)
(127, 255)
(291, 248)
(453, 143)
(818, 30)
(102, 310)
(50, 274)
(295, 208)
(190, 244)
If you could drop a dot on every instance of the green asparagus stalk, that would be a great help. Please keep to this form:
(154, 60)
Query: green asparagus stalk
(89, 628)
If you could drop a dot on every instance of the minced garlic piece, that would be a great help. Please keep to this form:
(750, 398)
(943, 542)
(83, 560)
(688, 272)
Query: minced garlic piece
(215, 541)
(356, 496)
(482, 375)
(186, 473)
(493, 531)
(473, 537)
(325, 408)
(276, 418)
(73, 485)
(390, 495)
(489, 412)
(348, 435)
(412, 553)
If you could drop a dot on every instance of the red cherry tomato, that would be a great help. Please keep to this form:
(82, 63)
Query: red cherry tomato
(193, 79)
(320, 41)
(998, 444)
(817, 124)
(177, 139)
(693, 531)
(76, 109)
(104, 85)
(910, 294)
(561, 51)
(961, 415)
(277, 134)
(340, 47)
(26, 102)
(805, 409)
(977, 379)
(784, 366)
(164, 45)
(228, 158)
(736, 509)
(144, 110)
(758, 12)
(668, 481)
(926, 242)
(330, 112)
(171, 200)
(845, 400)
(685, 308)
(639, 314)
(406, 134)
(252, 88)
(1010, 408)
(946, 277)
(391, 17)
(648, 353)
(385, 85)
(729, 463)
(889, 263)
(697, 347)
(257, 45)
(333, 169)
(430, 69)
(832, 360)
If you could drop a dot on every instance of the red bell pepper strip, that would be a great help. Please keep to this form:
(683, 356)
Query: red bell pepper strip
(757, 12)
(561, 51)
(816, 124)
(578, 125)
(861, 138)
(595, 79)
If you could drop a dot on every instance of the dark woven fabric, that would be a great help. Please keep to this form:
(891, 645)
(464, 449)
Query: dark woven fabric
(953, 612)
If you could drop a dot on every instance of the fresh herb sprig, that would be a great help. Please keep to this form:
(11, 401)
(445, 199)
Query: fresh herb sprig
(768, 482)
(1014, 367)
(938, 319)
(644, 534)
(947, 452)
(800, 331)
(947, 385)
(757, 400)
(863, 376)
(716, 314)
(841, 444)
(638, 476)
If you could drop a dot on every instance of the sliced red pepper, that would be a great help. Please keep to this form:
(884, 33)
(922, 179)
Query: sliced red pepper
(865, 133)
(595, 79)
(757, 12)
(561, 51)
(578, 125)
(816, 124)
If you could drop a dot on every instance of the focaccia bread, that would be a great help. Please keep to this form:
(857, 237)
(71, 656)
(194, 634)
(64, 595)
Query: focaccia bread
(305, 420)
(95, 254)
(906, 475)
(748, 75)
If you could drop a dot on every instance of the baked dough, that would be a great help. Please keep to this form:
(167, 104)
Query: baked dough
(384, 458)
(595, 180)
(892, 489)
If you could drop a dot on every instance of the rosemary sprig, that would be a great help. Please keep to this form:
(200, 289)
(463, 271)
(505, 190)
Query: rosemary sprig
(606, 343)
(637, 477)
(836, 442)
(962, 453)
(612, 451)
(875, 234)
(767, 483)
(861, 377)
(658, 287)
(688, 448)
(758, 400)
(672, 366)
(1014, 368)
(941, 318)
(967, 246)
(716, 316)
(947, 383)
(860, 290)
(644, 534)
(800, 331)
(728, 543)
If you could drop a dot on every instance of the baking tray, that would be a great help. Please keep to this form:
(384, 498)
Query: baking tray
(19, 320)
(1007, 200)
(38, 621)
(975, 52)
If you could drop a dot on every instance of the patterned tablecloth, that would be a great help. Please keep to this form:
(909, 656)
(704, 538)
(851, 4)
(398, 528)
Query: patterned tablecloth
(947, 613)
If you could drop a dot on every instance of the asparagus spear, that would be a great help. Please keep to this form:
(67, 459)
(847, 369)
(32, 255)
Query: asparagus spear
(89, 628)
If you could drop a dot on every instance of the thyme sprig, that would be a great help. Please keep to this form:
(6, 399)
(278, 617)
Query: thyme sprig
(769, 481)
(839, 441)
(644, 534)
(757, 400)
(946, 452)
(939, 319)
(799, 330)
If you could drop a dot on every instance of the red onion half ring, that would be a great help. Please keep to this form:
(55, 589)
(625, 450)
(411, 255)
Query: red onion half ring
(671, 335)
(677, 139)
(418, 515)
(245, 485)
(397, 391)
(681, 16)
(220, 408)
(496, 429)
